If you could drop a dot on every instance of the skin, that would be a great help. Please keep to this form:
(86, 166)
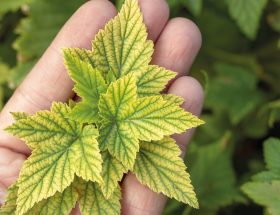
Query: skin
(177, 42)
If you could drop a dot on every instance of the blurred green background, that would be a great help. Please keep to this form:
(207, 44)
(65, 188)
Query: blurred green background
(234, 161)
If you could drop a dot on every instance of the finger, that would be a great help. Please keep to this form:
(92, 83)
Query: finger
(10, 165)
(156, 14)
(48, 81)
(192, 92)
(177, 46)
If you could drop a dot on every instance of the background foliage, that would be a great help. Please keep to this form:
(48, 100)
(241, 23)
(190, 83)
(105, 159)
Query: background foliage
(239, 67)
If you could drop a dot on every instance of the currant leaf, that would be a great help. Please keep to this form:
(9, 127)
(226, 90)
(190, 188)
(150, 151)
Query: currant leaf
(126, 119)
(84, 55)
(19, 115)
(112, 173)
(89, 84)
(152, 118)
(44, 126)
(122, 47)
(173, 99)
(120, 142)
(53, 165)
(92, 201)
(159, 166)
(113, 134)
(152, 81)
(59, 204)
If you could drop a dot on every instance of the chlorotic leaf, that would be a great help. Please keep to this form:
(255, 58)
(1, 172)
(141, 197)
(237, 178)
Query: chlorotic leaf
(9, 207)
(152, 118)
(173, 99)
(92, 201)
(119, 95)
(113, 134)
(59, 204)
(153, 81)
(159, 166)
(45, 126)
(265, 194)
(53, 165)
(89, 84)
(247, 14)
(19, 115)
(120, 142)
(125, 119)
(112, 173)
(85, 112)
(122, 47)
(84, 55)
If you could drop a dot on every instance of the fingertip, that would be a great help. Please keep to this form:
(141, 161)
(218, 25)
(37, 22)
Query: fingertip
(191, 91)
(139, 199)
(178, 45)
(156, 15)
(188, 28)
(10, 165)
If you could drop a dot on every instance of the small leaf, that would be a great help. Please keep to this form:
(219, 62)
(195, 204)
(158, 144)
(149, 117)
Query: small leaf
(173, 99)
(67, 149)
(265, 194)
(89, 84)
(159, 166)
(153, 81)
(112, 173)
(122, 47)
(82, 54)
(92, 201)
(119, 95)
(247, 14)
(44, 126)
(59, 204)
(120, 142)
(152, 118)
(19, 115)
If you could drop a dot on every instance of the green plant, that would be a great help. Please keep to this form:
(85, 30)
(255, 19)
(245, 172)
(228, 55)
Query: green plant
(122, 121)
(238, 65)
(265, 187)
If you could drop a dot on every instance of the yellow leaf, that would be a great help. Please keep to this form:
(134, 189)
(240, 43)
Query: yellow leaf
(159, 166)
(122, 47)
(92, 201)
(89, 84)
(152, 118)
(153, 80)
(63, 148)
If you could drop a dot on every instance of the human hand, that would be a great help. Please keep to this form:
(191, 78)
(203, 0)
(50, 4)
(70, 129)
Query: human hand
(177, 42)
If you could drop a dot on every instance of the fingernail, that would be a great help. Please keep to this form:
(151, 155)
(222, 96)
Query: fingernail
(3, 194)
